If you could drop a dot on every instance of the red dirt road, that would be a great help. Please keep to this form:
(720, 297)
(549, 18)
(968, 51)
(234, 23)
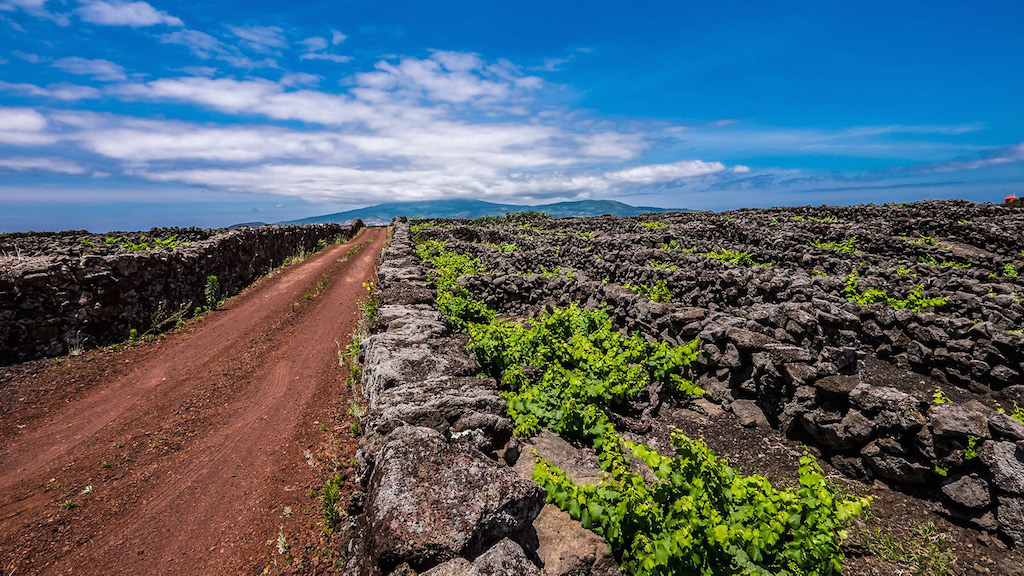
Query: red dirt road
(193, 454)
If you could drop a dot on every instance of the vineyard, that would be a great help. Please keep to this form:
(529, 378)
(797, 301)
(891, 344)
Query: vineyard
(788, 391)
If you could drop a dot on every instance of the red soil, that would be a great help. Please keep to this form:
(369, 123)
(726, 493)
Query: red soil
(193, 446)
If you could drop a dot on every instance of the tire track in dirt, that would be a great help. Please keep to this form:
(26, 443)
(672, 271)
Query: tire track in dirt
(217, 418)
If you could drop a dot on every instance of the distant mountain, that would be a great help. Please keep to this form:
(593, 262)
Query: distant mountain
(383, 213)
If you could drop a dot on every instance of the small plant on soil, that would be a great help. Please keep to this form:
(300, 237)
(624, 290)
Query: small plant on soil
(211, 292)
(939, 397)
(659, 292)
(735, 257)
(847, 246)
(654, 225)
(331, 494)
(662, 265)
(503, 248)
(926, 552)
(914, 300)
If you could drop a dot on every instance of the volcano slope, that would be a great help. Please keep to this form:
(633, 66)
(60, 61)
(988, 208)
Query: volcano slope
(199, 453)
(884, 341)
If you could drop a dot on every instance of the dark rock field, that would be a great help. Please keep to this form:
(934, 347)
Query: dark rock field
(886, 339)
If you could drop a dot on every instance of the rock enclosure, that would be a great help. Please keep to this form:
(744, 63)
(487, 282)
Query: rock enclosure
(72, 290)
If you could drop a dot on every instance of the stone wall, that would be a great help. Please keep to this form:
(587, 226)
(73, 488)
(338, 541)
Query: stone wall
(50, 303)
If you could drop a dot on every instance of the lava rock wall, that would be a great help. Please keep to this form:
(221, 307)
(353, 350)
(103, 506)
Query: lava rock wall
(49, 303)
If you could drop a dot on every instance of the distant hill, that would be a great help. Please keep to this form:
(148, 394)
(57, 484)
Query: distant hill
(383, 213)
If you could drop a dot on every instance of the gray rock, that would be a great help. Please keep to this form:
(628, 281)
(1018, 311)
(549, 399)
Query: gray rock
(1003, 426)
(747, 340)
(1010, 516)
(428, 501)
(954, 420)
(894, 467)
(580, 464)
(1005, 461)
(749, 414)
(848, 432)
(837, 385)
(874, 399)
(506, 558)
(568, 549)
(970, 491)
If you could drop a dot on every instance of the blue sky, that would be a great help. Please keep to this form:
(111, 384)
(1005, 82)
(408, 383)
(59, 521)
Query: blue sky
(119, 114)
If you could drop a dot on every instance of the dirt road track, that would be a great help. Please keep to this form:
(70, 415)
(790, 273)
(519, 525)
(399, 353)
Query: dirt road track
(199, 449)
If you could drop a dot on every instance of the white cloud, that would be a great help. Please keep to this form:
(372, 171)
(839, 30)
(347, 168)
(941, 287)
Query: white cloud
(260, 38)
(23, 127)
(336, 58)
(1008, 155)
(30, 58)
(656, 173)
(57, 165)
(206, 47)
(123, 13)
(337, 37)
(315, 43)
(59, 91)
(98, 69)
(741, 169)
(36, 8)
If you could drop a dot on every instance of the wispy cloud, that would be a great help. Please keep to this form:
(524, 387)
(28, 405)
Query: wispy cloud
(656, 173)
(265, 39)
(59, 91)
(36, 8)
(120, 13)
(207, 47)
(42, 164)
(98, 69)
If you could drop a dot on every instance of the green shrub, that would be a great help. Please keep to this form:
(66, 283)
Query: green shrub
(735, 257)
(847, 246)
(701, 517)
(914, 300)
(211, 292)
(657, 293)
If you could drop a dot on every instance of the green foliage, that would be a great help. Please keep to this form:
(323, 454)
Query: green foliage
(1018, 413)
(588, 368)
(932, 261)
(211, 292)
(369, 304)
(701, 517)
(88, 243)
(903, 270)
(503, 248)
(939, 397)
(735, 257)
(657, 293)
(662, 265)
(828, 219)
(133, 336)
(654, 225)
(112, 239)
(817, 272)
(971, 453)
(847, 246)
(331, 494)
(914, 300)
(453, 301)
